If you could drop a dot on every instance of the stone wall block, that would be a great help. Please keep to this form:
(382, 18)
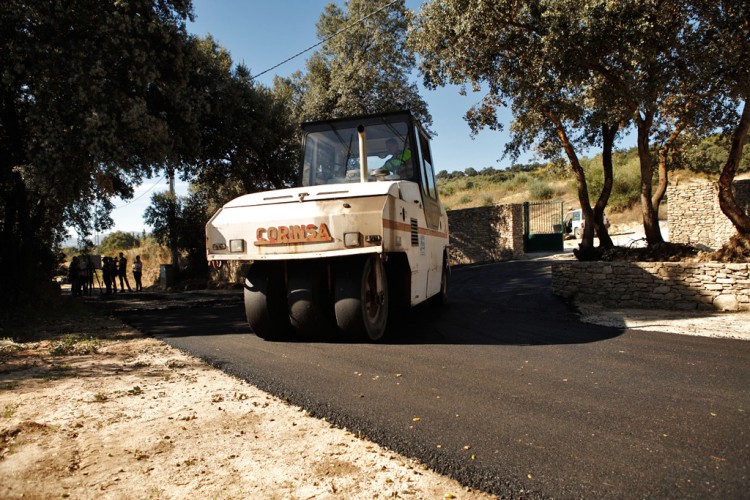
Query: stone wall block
(688, 286)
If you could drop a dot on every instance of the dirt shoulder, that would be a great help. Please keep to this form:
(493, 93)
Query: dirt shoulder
(90, 408)
(103, 412)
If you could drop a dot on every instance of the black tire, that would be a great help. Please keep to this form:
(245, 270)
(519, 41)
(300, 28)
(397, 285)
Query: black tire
(441, 298)
(308, 298)
(361, 306)
(265, 301)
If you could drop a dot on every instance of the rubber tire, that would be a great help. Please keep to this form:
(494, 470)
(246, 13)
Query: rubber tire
(357, 315)
(308, 299)
(440, 299)
(265, 302)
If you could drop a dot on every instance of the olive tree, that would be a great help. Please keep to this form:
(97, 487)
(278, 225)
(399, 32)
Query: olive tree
(524, 55)
(722, 35)
(361, 67)
(90, 93)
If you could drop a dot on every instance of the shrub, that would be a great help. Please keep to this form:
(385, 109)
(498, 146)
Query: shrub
(541, 190)
(447, 190)
(517, 181)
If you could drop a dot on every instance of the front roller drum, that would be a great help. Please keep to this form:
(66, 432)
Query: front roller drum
(265, 300)
(361, 297)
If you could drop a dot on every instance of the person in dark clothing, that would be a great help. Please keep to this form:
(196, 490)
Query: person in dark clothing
(113, 273)
(107, 276)
(122, 272)
(74, 272)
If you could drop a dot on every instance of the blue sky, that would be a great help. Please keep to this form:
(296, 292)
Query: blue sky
(263, 33)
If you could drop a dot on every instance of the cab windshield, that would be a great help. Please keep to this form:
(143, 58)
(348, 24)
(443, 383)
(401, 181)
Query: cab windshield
(332, 152)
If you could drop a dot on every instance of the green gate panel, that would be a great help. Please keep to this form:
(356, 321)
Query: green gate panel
(543, 228)
(543, 243)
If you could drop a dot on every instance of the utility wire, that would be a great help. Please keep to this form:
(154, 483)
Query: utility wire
(142, 194)
(324, 41)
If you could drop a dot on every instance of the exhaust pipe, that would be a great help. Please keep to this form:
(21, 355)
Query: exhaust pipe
(363, 172)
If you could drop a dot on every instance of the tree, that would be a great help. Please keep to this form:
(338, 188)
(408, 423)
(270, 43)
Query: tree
(119, 240)
(249, 135)
(362, 67)
(581, 70)
(525, 54)
(709, 155)
(187, 231)
(723, 36)
(89, 93)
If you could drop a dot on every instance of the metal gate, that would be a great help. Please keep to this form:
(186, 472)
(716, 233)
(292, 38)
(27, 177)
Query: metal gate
(543, 226)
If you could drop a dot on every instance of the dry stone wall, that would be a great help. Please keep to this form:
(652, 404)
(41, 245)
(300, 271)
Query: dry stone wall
(660, 285)
(695, 217)
(486, 234)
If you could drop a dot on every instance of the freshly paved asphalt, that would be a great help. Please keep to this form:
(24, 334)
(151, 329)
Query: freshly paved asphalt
(513, 394)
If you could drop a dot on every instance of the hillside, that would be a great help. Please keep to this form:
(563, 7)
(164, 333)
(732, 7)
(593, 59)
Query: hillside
(549, 182)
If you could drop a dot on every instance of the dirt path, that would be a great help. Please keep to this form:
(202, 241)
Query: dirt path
(121, 416)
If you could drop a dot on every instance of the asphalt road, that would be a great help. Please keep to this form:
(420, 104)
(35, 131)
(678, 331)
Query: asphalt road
(513, 395)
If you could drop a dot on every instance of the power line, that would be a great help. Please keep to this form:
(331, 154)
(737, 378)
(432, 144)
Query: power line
(142, 194)
(325, 40)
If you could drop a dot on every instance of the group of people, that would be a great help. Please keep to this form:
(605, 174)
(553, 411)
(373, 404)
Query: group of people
(81, 274)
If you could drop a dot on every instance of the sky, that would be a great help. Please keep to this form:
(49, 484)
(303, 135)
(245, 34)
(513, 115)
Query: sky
(262, 33)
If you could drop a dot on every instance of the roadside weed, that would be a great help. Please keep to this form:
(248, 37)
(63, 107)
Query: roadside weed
(71, 343)
(9, 410)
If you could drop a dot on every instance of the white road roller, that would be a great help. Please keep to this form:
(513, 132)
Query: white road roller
(362, 237)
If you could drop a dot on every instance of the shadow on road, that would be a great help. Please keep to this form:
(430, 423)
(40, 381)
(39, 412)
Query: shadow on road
(507, 303)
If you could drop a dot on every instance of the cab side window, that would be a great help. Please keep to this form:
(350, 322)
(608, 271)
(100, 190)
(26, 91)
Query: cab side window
(428, 173)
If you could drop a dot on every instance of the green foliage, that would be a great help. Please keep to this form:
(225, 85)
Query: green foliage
(517, 182)
(117, 242)
(446, 189)
(92, 94)
(540, 190)
(575, 72)
(249, 136)
(179, 222)
(9, 409)
(73, 344)
(710, 154)
(364, 69)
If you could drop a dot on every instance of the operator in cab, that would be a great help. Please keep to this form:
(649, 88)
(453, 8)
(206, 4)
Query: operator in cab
(400, 160)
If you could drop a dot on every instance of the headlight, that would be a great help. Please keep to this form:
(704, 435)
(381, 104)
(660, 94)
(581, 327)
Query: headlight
(352, 240)
(236, 246)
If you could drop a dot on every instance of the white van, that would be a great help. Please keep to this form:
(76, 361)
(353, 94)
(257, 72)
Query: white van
(573, 223)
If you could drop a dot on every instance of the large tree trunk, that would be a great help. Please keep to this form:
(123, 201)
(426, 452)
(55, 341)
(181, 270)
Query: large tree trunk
(650, 216)
(586, 247)
(608, 141)
(727, 202)
(668, 146)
